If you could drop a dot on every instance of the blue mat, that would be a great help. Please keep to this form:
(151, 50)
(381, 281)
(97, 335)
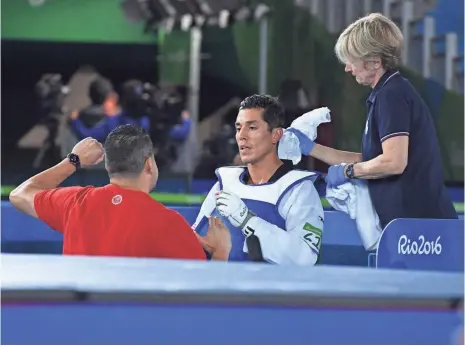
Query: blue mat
(132, 301)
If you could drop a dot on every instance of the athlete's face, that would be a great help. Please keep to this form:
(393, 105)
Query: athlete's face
(254, 139)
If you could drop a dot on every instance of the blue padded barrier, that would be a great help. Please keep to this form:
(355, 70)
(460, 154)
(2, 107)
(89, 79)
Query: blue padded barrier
(24, 234)
(341, 243)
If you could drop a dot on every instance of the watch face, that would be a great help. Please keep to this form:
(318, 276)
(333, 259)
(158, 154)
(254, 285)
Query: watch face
(349, 172)
(73, 158)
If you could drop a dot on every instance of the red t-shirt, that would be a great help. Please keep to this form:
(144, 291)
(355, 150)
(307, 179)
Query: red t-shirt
(112, 221)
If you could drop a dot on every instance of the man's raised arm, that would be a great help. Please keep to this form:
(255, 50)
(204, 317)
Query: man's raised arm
(88, 152)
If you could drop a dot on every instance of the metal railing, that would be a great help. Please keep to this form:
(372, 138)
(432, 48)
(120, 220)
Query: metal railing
(433, 56)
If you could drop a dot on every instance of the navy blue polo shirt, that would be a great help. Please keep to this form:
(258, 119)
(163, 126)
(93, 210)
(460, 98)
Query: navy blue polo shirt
(396, 109)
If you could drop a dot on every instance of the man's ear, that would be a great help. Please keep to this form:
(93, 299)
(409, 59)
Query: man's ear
(276, 135)
(148, 167)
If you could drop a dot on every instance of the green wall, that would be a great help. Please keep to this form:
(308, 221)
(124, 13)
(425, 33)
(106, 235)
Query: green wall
(70, 21)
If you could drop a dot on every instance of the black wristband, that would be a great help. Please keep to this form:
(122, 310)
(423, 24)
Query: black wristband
(74, 159)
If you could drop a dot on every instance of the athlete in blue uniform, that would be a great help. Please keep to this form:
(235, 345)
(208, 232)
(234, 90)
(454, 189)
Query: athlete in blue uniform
(273, 212)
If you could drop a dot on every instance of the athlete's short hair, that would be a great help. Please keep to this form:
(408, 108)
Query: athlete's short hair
(127, 148)
(273, 110)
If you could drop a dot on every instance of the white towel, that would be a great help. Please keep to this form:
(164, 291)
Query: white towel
(307, 123)
(353, 198)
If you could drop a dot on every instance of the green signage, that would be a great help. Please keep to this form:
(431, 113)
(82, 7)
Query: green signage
(70, 21)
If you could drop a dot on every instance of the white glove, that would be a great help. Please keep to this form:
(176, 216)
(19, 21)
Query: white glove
(233, 208)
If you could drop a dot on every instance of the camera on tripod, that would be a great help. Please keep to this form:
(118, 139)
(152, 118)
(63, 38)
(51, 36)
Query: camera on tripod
(163, 106)
(51, 92)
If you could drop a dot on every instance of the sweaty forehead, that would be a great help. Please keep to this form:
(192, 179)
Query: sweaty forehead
(249, 115)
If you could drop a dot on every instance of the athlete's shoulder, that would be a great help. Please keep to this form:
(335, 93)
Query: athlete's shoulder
(302, 173)
(303, 186)
(294, 177)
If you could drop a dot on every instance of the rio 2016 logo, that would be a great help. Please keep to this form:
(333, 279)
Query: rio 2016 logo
(405, 246)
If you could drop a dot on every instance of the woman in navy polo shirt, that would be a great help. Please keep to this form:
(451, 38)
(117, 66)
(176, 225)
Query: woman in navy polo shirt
(400, 156)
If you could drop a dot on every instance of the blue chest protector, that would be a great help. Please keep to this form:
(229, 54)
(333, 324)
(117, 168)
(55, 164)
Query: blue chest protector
(262, 199)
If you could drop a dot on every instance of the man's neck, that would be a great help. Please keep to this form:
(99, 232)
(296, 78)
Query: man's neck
(128, 184)
(261, 172)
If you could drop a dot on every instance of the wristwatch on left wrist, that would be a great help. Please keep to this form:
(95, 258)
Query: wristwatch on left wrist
(74, 159)
(349, 169)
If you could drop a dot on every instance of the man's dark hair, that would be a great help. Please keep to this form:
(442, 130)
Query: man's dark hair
(132, 98)
(131, 91)
(126, 149)
(273, 111)
(99, 90)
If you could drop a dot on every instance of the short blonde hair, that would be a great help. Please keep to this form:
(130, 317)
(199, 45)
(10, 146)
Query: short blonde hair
(373, 36)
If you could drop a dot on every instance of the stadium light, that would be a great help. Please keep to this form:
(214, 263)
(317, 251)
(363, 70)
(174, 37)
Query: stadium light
(261, 11)
(243, 14)
(187, 21)
(223, 19)
(191, 16)
(185, 14)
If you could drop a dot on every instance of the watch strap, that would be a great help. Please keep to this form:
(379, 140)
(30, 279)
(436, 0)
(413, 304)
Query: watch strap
(350, 170)
(74, 160)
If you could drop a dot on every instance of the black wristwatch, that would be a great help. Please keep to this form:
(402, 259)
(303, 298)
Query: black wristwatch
(350, 171)
(74, 159)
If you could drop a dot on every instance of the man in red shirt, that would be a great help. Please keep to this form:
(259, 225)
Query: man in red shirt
(119, 219)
